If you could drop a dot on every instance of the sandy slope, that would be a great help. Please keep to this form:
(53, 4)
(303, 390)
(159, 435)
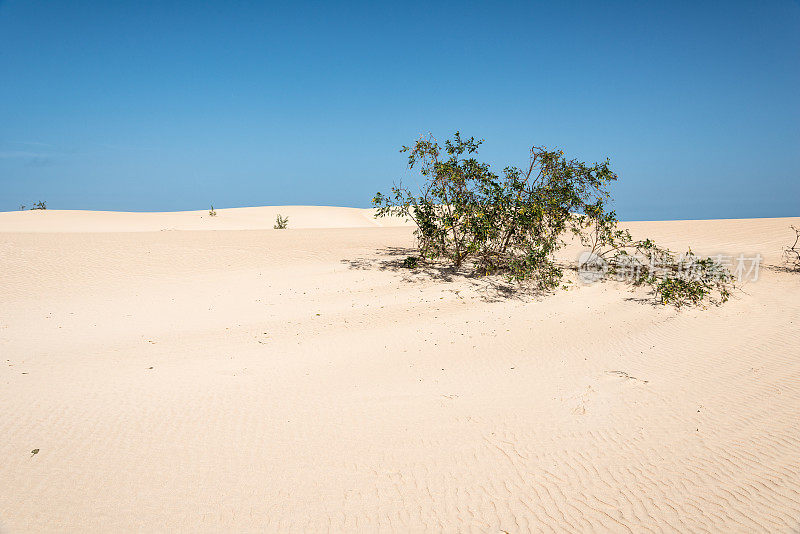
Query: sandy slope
(251, 380)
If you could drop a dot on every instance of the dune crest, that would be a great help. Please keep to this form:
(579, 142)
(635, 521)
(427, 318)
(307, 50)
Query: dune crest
(255, 218)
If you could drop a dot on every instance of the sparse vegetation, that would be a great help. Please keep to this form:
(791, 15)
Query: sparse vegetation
(212, 212)
(22, 207)
(675, 279)
(41, 205)
(683, 280)
(514, 223)
(281, 223)
(792, 253)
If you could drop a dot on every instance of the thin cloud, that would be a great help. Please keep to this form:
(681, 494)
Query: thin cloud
(11, 154)
(44, 161)
(30, 158)
(126, 147)
(33, 143)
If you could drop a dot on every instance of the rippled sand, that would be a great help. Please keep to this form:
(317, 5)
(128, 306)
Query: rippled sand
(182, 372)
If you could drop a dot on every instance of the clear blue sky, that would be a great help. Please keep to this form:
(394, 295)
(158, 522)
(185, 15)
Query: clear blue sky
(162, 105)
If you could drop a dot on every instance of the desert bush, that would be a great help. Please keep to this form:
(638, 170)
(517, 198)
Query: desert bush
(679, 280)
(212, 212)
(675, 279)
(792, 253)
(41, 205)
(514, 223)
(281, 223)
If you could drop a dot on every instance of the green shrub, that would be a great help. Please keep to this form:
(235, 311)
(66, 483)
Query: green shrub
(514, 223)
(212, 212)
(680, 289)
(281, 223)
(675, 279)
(41, 205)
(679, 292)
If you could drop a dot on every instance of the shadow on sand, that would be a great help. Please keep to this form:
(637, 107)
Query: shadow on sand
(786, 267)
(490, 288)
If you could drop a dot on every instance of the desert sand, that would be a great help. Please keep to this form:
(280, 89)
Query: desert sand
(178, 372)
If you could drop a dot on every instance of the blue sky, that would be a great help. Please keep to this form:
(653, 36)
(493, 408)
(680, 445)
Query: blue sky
(151, 106)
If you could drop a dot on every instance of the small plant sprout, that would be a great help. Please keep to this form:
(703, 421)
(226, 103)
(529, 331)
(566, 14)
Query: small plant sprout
(212, 212)
(281, 223)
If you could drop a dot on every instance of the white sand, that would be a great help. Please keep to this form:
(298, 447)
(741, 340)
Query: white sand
(248, 379)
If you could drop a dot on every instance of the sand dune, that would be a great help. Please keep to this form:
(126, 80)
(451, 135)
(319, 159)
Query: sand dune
(257, 218)
(247, 379)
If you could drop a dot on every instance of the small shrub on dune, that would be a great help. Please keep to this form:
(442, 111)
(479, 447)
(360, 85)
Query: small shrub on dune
(212, 212)
(681, 280)
(515, 222)
(41, 205)
(281, 223)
